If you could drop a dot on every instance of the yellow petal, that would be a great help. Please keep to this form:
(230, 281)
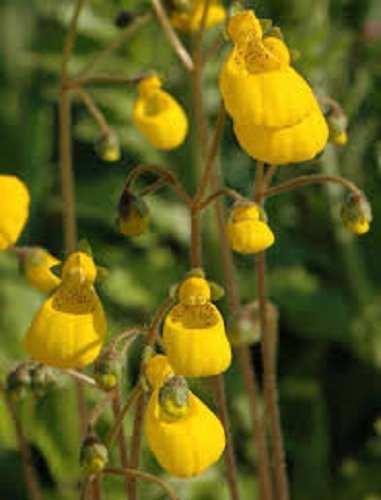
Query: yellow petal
(69, 329)
(249, 236)
(195, 340)
(157, 370)
(186, 446)
(14, 209)
(278, 146)
(37, 269)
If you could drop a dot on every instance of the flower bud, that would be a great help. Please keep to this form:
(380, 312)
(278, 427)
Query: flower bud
(107, 370)
(124, 18)
(356, 213)
(337, 122)
(18, 382)
(42, 379)
(93, 455)
(133, 214)
(36, 264)
(245, 328)
(107, 147)
(174, 397)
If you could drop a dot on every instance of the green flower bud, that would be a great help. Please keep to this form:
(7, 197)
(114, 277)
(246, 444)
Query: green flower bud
(107, 370)
(174, 397)
(18, 382)
(133, 213)
(42, 379)
(337, 122)
(107, 147)
(356, 213)
(245, 328)
(93, 455)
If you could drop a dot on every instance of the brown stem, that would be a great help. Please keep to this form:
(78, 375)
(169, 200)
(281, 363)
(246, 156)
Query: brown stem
(136, 442)
(269, 175)
(116, 407)
(99, 408)
(305, 180)
(269, 368)
(96, 486)
(105, 79)
(69, 39)
(244, 358)
(94, 110)
(251, 384)
(219, 394)
(113, 432)
(155, 186)
(82, 377)
(214, 48)
(31, 482)
(115, 44)
(143, 475)
(231, 193)
(172, 37)
(195, 250)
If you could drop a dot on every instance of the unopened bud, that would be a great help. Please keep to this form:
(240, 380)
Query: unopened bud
(18, 382)
(245, 328)
(107, 370)
(107, 147)
(93, 455)
(174, 397)
(42, 379)
(356, 213)
(133, 214)
(337, 122)
(124, 18)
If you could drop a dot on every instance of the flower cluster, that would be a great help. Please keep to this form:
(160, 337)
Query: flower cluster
(276, 117)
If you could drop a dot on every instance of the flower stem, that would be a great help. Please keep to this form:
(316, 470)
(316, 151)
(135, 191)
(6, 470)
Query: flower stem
(172, 37)
(269, 368)
(94, 111)
(143, 475)
(305, 180)
(123, 454)
(31, 482)
(136, 442)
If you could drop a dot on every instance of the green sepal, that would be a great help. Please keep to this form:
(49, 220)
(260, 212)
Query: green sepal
(217, 292)
(266, 25)
(275, 32)
(56, 270)
(174, 291)
(84, 247)
(295, 54)
(102, 273)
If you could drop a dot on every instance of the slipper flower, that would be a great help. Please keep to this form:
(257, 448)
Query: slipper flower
(36, 265)
(245, 230)
(68, 330)
(194, 332)
(183, 434)
(158, 116)
(188, 18)
(14, 209)
(276, 116)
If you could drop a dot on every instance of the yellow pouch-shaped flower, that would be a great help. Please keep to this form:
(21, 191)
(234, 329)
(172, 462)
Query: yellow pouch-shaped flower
(14, 209)
(36, 264)
(246, 233)
(187, 445)
(194, 334)
(189, 20)
(68, 330)
(159, 116)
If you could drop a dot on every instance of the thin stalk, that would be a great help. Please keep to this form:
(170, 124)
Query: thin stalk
(269, 368)
(305, 180)
(143, 475)
(195, 249)
(113, 432)
(31, 482)
(67, 177)
(172, 37)
(231, 193)
(82, 377)
(136, 440)
(244, 358)
(115, 44)
(94, 110)
(96, 486)
(123, 454)
(102, 80)
(99, 408)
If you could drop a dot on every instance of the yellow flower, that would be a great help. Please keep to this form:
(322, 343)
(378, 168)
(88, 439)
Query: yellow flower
(246, 233)
(133, 214)
(194, 333)
(275, 113)
(183, 434)
(14, 209)
(159, 116)
(69, 329)
(36, 264)
(356, 213)
(189, 19)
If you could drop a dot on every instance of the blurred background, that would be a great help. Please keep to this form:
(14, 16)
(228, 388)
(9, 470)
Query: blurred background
(325, 281)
